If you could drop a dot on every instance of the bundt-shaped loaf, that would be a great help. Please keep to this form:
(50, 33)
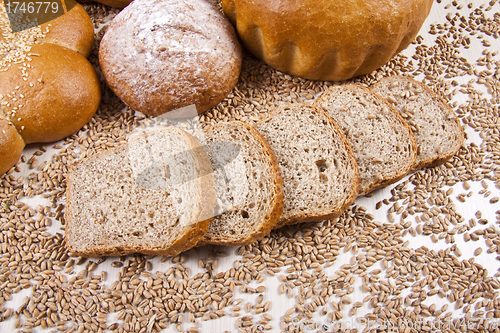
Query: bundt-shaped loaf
(324, 39)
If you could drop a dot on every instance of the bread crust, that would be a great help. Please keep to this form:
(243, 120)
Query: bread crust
(191, 233)
(446, 155)
(272, 217)
(11, 145)
(73, 30)
(49, 90)
(158, 56)
(324, 39)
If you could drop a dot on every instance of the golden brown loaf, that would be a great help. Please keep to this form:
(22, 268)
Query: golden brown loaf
(161, 55)
(48, 88)
(325, 39)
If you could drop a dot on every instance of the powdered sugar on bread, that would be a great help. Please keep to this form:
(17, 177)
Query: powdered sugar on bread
(161, 55)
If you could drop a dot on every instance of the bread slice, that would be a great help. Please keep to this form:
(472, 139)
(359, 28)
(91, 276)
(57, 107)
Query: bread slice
(320, 172)
(436, 127)
(248, 184)
(382, 142)
(153, 195)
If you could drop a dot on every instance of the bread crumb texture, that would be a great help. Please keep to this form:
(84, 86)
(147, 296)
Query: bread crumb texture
(383, 144)
(319, 171)
(248, 184)
(436, 127)
(142, 197)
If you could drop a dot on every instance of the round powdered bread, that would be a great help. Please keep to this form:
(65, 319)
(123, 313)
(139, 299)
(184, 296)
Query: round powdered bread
(48, 89)
(160, 55)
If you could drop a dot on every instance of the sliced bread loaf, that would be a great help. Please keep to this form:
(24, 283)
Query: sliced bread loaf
(382, 142)
(435, 126)
(248, 184)
(320, 173)
(154, 195)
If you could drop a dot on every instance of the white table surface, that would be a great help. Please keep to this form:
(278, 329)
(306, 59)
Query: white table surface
(280, 304)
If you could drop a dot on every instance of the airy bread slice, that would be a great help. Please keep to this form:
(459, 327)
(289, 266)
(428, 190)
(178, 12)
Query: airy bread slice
(436, 127)
(320, 172)
(154, 195)
(248, 184)
(382, 142)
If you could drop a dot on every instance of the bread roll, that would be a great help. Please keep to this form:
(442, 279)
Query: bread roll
(48, 89)
(11, 145)
(324, 39)
(61, 95)
(160, 55)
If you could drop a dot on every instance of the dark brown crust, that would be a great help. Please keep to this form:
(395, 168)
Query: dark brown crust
(192, 233)
(268, 222)
(324, 39)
